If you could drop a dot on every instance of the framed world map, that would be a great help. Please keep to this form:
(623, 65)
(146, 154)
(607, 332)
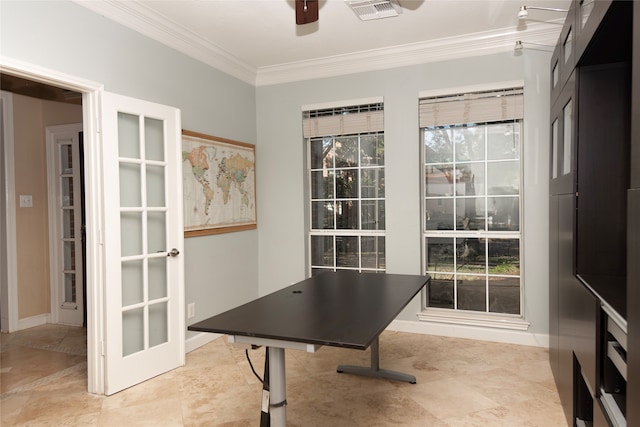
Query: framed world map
(219, 184)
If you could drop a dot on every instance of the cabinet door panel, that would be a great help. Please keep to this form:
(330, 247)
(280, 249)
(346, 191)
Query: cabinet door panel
(554, 350)
(563, 135)
(566, 279)
(633, 317)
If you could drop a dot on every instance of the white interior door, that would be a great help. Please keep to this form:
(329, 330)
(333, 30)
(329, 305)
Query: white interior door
(143, 238)
(65, 216)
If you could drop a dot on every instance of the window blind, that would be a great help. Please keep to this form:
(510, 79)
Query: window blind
(343, 120)
(477, 107)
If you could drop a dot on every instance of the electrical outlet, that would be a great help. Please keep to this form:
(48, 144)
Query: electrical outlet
(191, 310)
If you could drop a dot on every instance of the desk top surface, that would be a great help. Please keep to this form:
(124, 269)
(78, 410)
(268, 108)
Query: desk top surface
(343, 309)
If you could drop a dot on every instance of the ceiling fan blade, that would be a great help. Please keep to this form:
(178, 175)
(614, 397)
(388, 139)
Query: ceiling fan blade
(306, 11)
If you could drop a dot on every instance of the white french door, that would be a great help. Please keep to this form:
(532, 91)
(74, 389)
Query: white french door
(143, 240)
(65, 216)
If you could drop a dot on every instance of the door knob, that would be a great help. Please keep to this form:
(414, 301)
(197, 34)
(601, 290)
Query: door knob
(174, 252)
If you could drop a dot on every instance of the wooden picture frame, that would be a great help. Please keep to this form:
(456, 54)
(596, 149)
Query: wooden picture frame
(219, 185)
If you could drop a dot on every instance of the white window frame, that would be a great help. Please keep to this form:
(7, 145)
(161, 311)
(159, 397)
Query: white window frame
(465, 317)
(358, 233)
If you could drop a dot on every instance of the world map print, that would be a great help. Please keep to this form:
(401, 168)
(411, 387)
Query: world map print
(218, 184)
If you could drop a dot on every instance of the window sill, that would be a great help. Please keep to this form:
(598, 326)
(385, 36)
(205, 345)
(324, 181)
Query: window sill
(473, 319)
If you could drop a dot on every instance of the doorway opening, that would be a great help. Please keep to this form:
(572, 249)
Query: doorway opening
(33, 83)
(50, 207)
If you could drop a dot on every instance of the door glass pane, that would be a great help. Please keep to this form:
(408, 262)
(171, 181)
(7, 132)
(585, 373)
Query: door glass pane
(69, 287)
(132, 282)
(132, 331)
(157, 278)
(155, 186)
(128, 136)
(130, 185)
(568, 46)
(68, 223)
(566, 152)
(158, 322)
(471, 292)
(130, 233)
(156, 232)
(69, 255)
(67, 191)
(154, 139)
(554, 149)
(66, 158)
(586, 7)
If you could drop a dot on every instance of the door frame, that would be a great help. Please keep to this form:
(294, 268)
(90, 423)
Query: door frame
(91, 100)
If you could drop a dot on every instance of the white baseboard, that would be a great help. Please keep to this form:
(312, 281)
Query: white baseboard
(471, 332)
(199, 340)
(30, 322)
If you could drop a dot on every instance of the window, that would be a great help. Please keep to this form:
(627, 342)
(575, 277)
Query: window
(345, 165)
(472, 201)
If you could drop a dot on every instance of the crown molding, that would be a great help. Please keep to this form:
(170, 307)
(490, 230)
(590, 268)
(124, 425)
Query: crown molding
(145, 21)
(464, 46)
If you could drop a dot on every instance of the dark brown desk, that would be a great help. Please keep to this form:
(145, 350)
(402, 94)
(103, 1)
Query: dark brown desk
(342, 309)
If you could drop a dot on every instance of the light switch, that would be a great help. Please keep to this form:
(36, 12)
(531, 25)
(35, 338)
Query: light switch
(26, 201)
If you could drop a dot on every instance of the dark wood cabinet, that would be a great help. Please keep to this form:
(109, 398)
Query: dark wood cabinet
(563, 138)
(594, 213)
(633, 236)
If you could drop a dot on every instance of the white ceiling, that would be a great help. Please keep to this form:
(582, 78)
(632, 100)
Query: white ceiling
(259, 42)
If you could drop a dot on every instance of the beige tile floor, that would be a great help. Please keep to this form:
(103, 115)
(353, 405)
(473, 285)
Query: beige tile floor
(459, 383)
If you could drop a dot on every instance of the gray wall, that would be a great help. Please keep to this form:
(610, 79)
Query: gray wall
(221, 270)
(281, 173)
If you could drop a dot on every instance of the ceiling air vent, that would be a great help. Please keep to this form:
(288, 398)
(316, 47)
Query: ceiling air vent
(374, 9)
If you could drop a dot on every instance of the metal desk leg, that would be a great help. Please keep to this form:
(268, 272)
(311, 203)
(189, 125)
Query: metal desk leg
(374, 370)
(277, 386)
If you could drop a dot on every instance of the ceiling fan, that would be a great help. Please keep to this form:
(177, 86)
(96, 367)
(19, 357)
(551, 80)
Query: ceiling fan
(306, 11)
